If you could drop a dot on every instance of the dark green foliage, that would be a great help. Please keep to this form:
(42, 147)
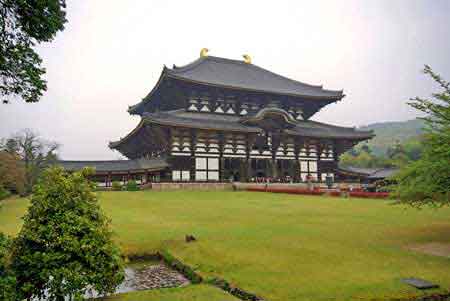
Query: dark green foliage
(65, 244)
(25, 23)
(427, 181)
(7, 279)
(116, 186)
(4, 193)
(132, 185)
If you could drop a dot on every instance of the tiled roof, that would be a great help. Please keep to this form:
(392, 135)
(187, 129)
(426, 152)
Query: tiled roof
(224, 122)
(115, 165)
(370, 173)
(230, 123)
(238, 74)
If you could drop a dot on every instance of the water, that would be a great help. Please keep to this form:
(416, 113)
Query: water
(142, 275)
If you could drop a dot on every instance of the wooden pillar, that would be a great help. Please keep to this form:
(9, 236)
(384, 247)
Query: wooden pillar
(319, 149)
(249, 170)
(275, 172)
(221, 158)
(193, 134)
(251, 140)
(298, 144)
(275, 141)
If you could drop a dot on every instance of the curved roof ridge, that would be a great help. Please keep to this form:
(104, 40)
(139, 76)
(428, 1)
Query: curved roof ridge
(337, 126)
(132, 108)
(236, 74)
(200, 60)
(188, 66)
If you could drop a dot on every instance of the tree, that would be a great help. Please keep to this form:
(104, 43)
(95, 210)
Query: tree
(65, 245)
(427, 180)
(7, 279)
(12, 172)
(23, 24)
(34, 152)
(414, 148)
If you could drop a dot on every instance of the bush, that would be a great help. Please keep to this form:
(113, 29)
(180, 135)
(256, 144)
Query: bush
(7, 280)
(132, 186)
(4, 193)
(65, 246)
(116, 186)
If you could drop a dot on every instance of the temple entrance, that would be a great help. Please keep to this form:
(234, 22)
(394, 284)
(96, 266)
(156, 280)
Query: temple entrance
(261, 170)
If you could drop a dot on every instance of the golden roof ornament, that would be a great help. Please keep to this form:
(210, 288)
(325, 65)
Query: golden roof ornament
(247, 59)
(204, 52)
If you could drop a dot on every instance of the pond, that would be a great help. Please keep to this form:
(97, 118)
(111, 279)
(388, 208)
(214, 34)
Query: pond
(145, 275)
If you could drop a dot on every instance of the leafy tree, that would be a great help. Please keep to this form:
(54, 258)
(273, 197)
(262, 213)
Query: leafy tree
(34, 152)
(65, 245)
(395, 150)
(10, 146)
(414, 148)
(427, 181)
(12, 172)
(7, 280)
(23, 24)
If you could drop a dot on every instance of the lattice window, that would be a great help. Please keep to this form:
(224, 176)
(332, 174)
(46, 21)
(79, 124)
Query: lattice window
(308, 168)
(206, 169)
(181, 175)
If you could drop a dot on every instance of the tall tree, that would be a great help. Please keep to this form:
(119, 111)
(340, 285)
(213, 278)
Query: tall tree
(427, 181)
(34, 152)
(12, 172)
(65, 246)
(23, 24)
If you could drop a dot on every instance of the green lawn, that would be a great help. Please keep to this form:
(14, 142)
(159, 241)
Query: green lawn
(199, 292)
(279, 246)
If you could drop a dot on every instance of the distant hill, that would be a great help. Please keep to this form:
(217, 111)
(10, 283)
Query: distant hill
(387, 133)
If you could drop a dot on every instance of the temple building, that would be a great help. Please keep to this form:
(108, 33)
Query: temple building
(219, 119)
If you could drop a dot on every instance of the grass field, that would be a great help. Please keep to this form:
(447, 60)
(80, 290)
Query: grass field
(279, 246)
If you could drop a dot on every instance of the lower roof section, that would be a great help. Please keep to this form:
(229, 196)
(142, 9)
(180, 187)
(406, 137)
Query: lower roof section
(138, 165)
(369, 173)
(233, 123)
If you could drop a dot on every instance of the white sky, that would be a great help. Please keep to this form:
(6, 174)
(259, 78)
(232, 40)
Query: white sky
(112, 52)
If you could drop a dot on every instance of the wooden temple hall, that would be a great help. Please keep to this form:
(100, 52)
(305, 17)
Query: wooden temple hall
(219, 119)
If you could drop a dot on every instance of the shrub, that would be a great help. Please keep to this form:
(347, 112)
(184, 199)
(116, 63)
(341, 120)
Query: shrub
(132, 185)
(4, 193)
(116, 186)
(65, 245)
(7, 280)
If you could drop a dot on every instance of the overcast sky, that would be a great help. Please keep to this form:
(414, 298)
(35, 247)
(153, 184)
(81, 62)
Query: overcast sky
(112, 52)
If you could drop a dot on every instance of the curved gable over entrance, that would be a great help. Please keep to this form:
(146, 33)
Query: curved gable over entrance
(271, 118)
